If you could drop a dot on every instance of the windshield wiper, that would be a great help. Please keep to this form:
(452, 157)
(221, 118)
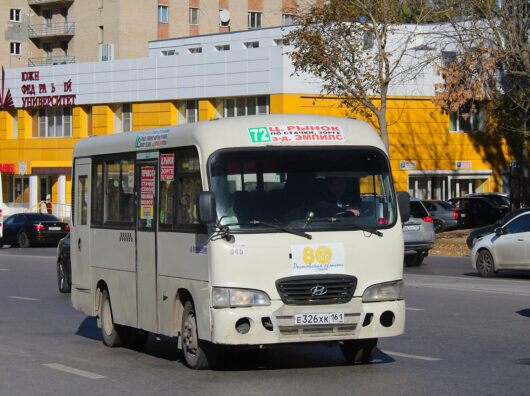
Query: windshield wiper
(275, 226)
(371, 230)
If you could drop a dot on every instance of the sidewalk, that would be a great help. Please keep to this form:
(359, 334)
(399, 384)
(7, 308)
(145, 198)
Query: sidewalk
(451, 243)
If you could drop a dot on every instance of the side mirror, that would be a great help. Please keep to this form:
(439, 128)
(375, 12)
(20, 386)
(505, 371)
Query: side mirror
(499, 231)
(206, 210)
(403, 201)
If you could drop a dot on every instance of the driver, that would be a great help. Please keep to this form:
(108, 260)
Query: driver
(335, 199)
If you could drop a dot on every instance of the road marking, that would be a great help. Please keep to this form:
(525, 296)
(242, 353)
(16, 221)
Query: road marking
(4, 269)
(27, 256)
(415, 309)
(430, 359)
(71, 370)
(24, 298)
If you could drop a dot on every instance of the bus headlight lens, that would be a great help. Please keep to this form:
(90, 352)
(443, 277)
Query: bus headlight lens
(224, 298)
(388, 291)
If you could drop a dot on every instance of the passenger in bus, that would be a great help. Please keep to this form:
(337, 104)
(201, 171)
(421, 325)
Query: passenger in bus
(337, 199)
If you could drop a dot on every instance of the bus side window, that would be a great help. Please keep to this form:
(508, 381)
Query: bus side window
(82, 203)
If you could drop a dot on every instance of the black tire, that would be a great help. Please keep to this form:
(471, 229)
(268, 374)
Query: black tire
(62, 276)
(439, 226)
(113, 335)
(414, 260)
(485, 264)
(359, 351)
(198, 354)
(23, 240)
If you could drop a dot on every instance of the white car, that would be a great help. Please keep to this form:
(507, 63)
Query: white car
(508, 248)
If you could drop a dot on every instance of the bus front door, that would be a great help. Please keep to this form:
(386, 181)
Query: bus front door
(146, 264)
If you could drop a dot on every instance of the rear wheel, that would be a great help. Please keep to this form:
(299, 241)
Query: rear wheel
(414, 260)
(485, 264)
(439, 226)
(23, 240)
(113, 335)
(359, 351)
(62, 276)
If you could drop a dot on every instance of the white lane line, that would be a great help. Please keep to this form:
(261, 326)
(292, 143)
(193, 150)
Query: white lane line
(24, 298)
(415, 309)
(4, 269)
(26, 256)
(430, 359)
(71, 370)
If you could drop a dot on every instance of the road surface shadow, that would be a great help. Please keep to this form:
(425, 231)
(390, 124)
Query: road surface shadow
(524, 312)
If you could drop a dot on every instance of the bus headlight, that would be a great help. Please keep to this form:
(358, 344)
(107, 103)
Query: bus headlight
(387, 291)
(224, 297)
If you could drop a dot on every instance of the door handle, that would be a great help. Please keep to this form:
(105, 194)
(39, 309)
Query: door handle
(79, 244)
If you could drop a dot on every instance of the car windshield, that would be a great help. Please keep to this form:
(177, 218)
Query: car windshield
(309, 189)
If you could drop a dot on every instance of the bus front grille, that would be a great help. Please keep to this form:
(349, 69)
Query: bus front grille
(316, 289)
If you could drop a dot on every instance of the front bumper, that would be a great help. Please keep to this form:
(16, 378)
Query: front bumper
(362, 320)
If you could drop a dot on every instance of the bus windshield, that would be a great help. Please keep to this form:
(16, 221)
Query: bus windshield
(302, 188)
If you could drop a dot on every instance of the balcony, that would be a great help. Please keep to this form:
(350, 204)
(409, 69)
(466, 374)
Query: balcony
(58, 29)
(50, 60)
(33, 3)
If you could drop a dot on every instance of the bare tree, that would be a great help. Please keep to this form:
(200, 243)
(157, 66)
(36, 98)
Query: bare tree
(358, 48)
(490, 61)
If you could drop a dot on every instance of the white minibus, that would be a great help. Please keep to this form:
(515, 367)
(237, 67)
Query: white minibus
(239, 232)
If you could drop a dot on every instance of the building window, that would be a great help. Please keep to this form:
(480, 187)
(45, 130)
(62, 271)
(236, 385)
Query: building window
(126, 117)
(254, 20)
(466, 120)
(15, 124)
(243, 106)
(281, 42)
(168, 52)
(187, 111)
(196, 50)
(223, 47)
(162, 14)
(252, 44)
(14, 15)
(55, 122)
(14, 48)
(288, 19)
(194, 16)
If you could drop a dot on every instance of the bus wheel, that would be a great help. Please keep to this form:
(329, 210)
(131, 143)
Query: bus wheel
(113, 334)
(194, 349)
(414, 260)
(359, 351)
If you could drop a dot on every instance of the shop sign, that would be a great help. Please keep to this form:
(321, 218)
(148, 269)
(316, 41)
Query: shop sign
(297, 133)
(49, 170)
(407, 165)
(7, 168)
(6, 100)
(463, 165)
(39, 93)
(22, 168)
(167, 167)
(147, 192)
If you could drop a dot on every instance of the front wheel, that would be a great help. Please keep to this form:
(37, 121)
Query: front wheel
(198, 354)
(485, 264)
(414, 260)
(23, 240)
(359, 351)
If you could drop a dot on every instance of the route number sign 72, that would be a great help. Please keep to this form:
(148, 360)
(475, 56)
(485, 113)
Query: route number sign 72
(259, 135)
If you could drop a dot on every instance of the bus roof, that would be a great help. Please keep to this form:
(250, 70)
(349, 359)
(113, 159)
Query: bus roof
(250, 131)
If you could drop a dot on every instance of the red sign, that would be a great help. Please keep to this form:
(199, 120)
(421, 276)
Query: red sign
(7, 168)
(147, 191)
(167, 167)
(36, 93)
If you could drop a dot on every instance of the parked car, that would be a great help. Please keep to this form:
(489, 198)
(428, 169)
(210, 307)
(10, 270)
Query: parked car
(507, 248)
(480, 232)
(27, 229)
(478, 211)
(64, 270)
(418, 233)
(445, 215)
(498, 199)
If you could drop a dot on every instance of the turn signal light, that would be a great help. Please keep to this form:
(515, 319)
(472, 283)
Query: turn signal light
(428, 219)
(38, 227)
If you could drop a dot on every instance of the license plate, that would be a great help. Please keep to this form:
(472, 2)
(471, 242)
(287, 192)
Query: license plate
(309, 319)
(411, 228)
(54, 228)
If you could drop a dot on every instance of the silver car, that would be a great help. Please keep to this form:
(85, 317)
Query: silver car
(418, 233)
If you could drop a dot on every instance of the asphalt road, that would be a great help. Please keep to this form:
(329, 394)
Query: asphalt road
(464, 335)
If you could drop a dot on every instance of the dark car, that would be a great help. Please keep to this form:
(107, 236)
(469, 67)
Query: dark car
(478, 211)
(27, 229)
(480, 232)
(64, 271)
(445, 215)
(498, 199)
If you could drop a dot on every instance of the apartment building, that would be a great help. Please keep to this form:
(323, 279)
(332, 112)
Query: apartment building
(50, 32)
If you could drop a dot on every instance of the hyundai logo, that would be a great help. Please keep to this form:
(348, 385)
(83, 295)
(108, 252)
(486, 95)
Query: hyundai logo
(318, 290)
